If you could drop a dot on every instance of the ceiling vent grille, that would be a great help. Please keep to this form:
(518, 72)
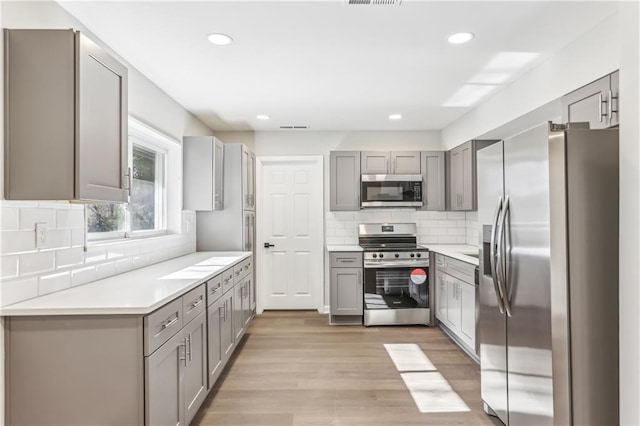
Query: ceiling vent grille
(374, 2)
(290, 127)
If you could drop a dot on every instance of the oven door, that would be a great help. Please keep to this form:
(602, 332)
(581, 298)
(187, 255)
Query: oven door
(391, 191)
(391, 287)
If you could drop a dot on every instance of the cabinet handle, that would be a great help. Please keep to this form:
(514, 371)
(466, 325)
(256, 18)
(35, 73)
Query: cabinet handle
(221, 312)
(190, 351)
(196, 303)
(346, 260)
(602, 101)
(610, 105)
(180, 358)
(170, 323)
(218, 287)
(127, 180)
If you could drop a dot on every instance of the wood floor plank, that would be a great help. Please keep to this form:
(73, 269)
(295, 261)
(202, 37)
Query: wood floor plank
(293, 368)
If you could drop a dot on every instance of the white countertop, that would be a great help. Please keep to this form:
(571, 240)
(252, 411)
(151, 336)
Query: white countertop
(459, 251)
(344, 247)
(137, 292)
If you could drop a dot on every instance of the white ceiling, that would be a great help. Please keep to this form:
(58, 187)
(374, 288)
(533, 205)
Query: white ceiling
(329, 65)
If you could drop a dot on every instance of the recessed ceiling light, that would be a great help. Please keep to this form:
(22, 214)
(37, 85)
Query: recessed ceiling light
(460, 38)
(219, 39)
(262, 117)
(395, 117)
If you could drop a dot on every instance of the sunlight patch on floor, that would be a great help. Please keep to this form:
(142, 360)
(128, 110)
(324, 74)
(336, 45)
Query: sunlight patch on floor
(409, 357)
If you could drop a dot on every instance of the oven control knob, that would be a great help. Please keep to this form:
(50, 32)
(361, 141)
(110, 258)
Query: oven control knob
(419, 255)
(397, 255)
(381, 255)
(412, 255)
(375, 255)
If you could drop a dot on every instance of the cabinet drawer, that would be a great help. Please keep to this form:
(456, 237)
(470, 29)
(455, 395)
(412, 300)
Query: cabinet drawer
(161, 325)
(227, 280)
(461, 270)
(345, 260)
(214, 289)
(193, 303)
(242, 269)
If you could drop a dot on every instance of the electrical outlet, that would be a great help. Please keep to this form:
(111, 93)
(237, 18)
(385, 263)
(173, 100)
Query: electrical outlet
(42, 235)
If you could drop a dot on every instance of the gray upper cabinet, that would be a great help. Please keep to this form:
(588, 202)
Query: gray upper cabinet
(374, 162)
(76, 93)
(203, 173)
(344, 185)
(405, 162)
(248, 179)
(461, 187)
(595, 103)
(394, 162)
(433, 178)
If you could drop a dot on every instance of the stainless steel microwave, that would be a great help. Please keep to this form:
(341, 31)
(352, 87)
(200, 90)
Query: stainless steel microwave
(391, 191)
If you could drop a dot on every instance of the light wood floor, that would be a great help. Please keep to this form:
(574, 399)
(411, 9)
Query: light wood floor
(292, 368)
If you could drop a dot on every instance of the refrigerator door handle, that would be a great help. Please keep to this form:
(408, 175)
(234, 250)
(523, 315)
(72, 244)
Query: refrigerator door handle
(493, 256)
(503, 257)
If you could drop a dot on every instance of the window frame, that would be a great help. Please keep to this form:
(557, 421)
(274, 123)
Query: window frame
(147, 138)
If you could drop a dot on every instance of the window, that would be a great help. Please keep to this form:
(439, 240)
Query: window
(145, 214)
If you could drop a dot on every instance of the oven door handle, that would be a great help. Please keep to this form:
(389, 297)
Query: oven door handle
(396, 265)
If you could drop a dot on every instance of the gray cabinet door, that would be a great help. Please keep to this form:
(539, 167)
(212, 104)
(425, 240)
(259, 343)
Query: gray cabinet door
(468, 177)
(468, 313)
(103, 125)
(215, 315)
(218, 175)
(198, 173)
(405, 162)
(453, 303)
(344, 180)
(246, 301)
(226, 326)
(433, 178)
(589, 104)
(346, 291)
(248, 179)
(455, 178)
(441, 296)
(375, 162)
(195, 372)
(238, 320)
(163, 383)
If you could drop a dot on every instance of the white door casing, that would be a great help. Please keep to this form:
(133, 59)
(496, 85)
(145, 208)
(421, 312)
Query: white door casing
(291, 208)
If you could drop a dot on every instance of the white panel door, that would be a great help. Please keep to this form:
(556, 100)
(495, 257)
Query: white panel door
(290, 221)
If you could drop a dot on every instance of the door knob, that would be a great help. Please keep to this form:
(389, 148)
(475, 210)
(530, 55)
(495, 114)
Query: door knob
(267, 245)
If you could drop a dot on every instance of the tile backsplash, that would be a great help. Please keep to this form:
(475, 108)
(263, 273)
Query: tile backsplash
(27, 272)
(433, 227)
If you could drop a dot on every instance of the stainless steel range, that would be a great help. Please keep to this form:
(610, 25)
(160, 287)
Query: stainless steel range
(396, 274)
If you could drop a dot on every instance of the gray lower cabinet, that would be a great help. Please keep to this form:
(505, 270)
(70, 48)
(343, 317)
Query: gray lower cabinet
(153, 369)
(596, 103)
(176, 376)
(433, 180)
(344, 180)
(66, 114)
(346, 286)
(456, 300)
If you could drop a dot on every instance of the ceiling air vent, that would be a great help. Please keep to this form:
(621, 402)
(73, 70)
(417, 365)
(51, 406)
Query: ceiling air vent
(295, 127)
(374, 2)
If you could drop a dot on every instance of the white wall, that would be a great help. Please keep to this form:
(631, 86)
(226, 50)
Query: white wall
(588, 58)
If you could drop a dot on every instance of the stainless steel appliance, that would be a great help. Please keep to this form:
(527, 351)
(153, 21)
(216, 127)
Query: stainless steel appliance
(391, 190)
(396, 274)
(548, 215)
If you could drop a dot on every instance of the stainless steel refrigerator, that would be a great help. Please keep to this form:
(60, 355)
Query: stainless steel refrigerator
(548, 219)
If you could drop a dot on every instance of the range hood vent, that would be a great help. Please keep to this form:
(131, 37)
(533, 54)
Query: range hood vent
(288, 127)
(373, 2)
